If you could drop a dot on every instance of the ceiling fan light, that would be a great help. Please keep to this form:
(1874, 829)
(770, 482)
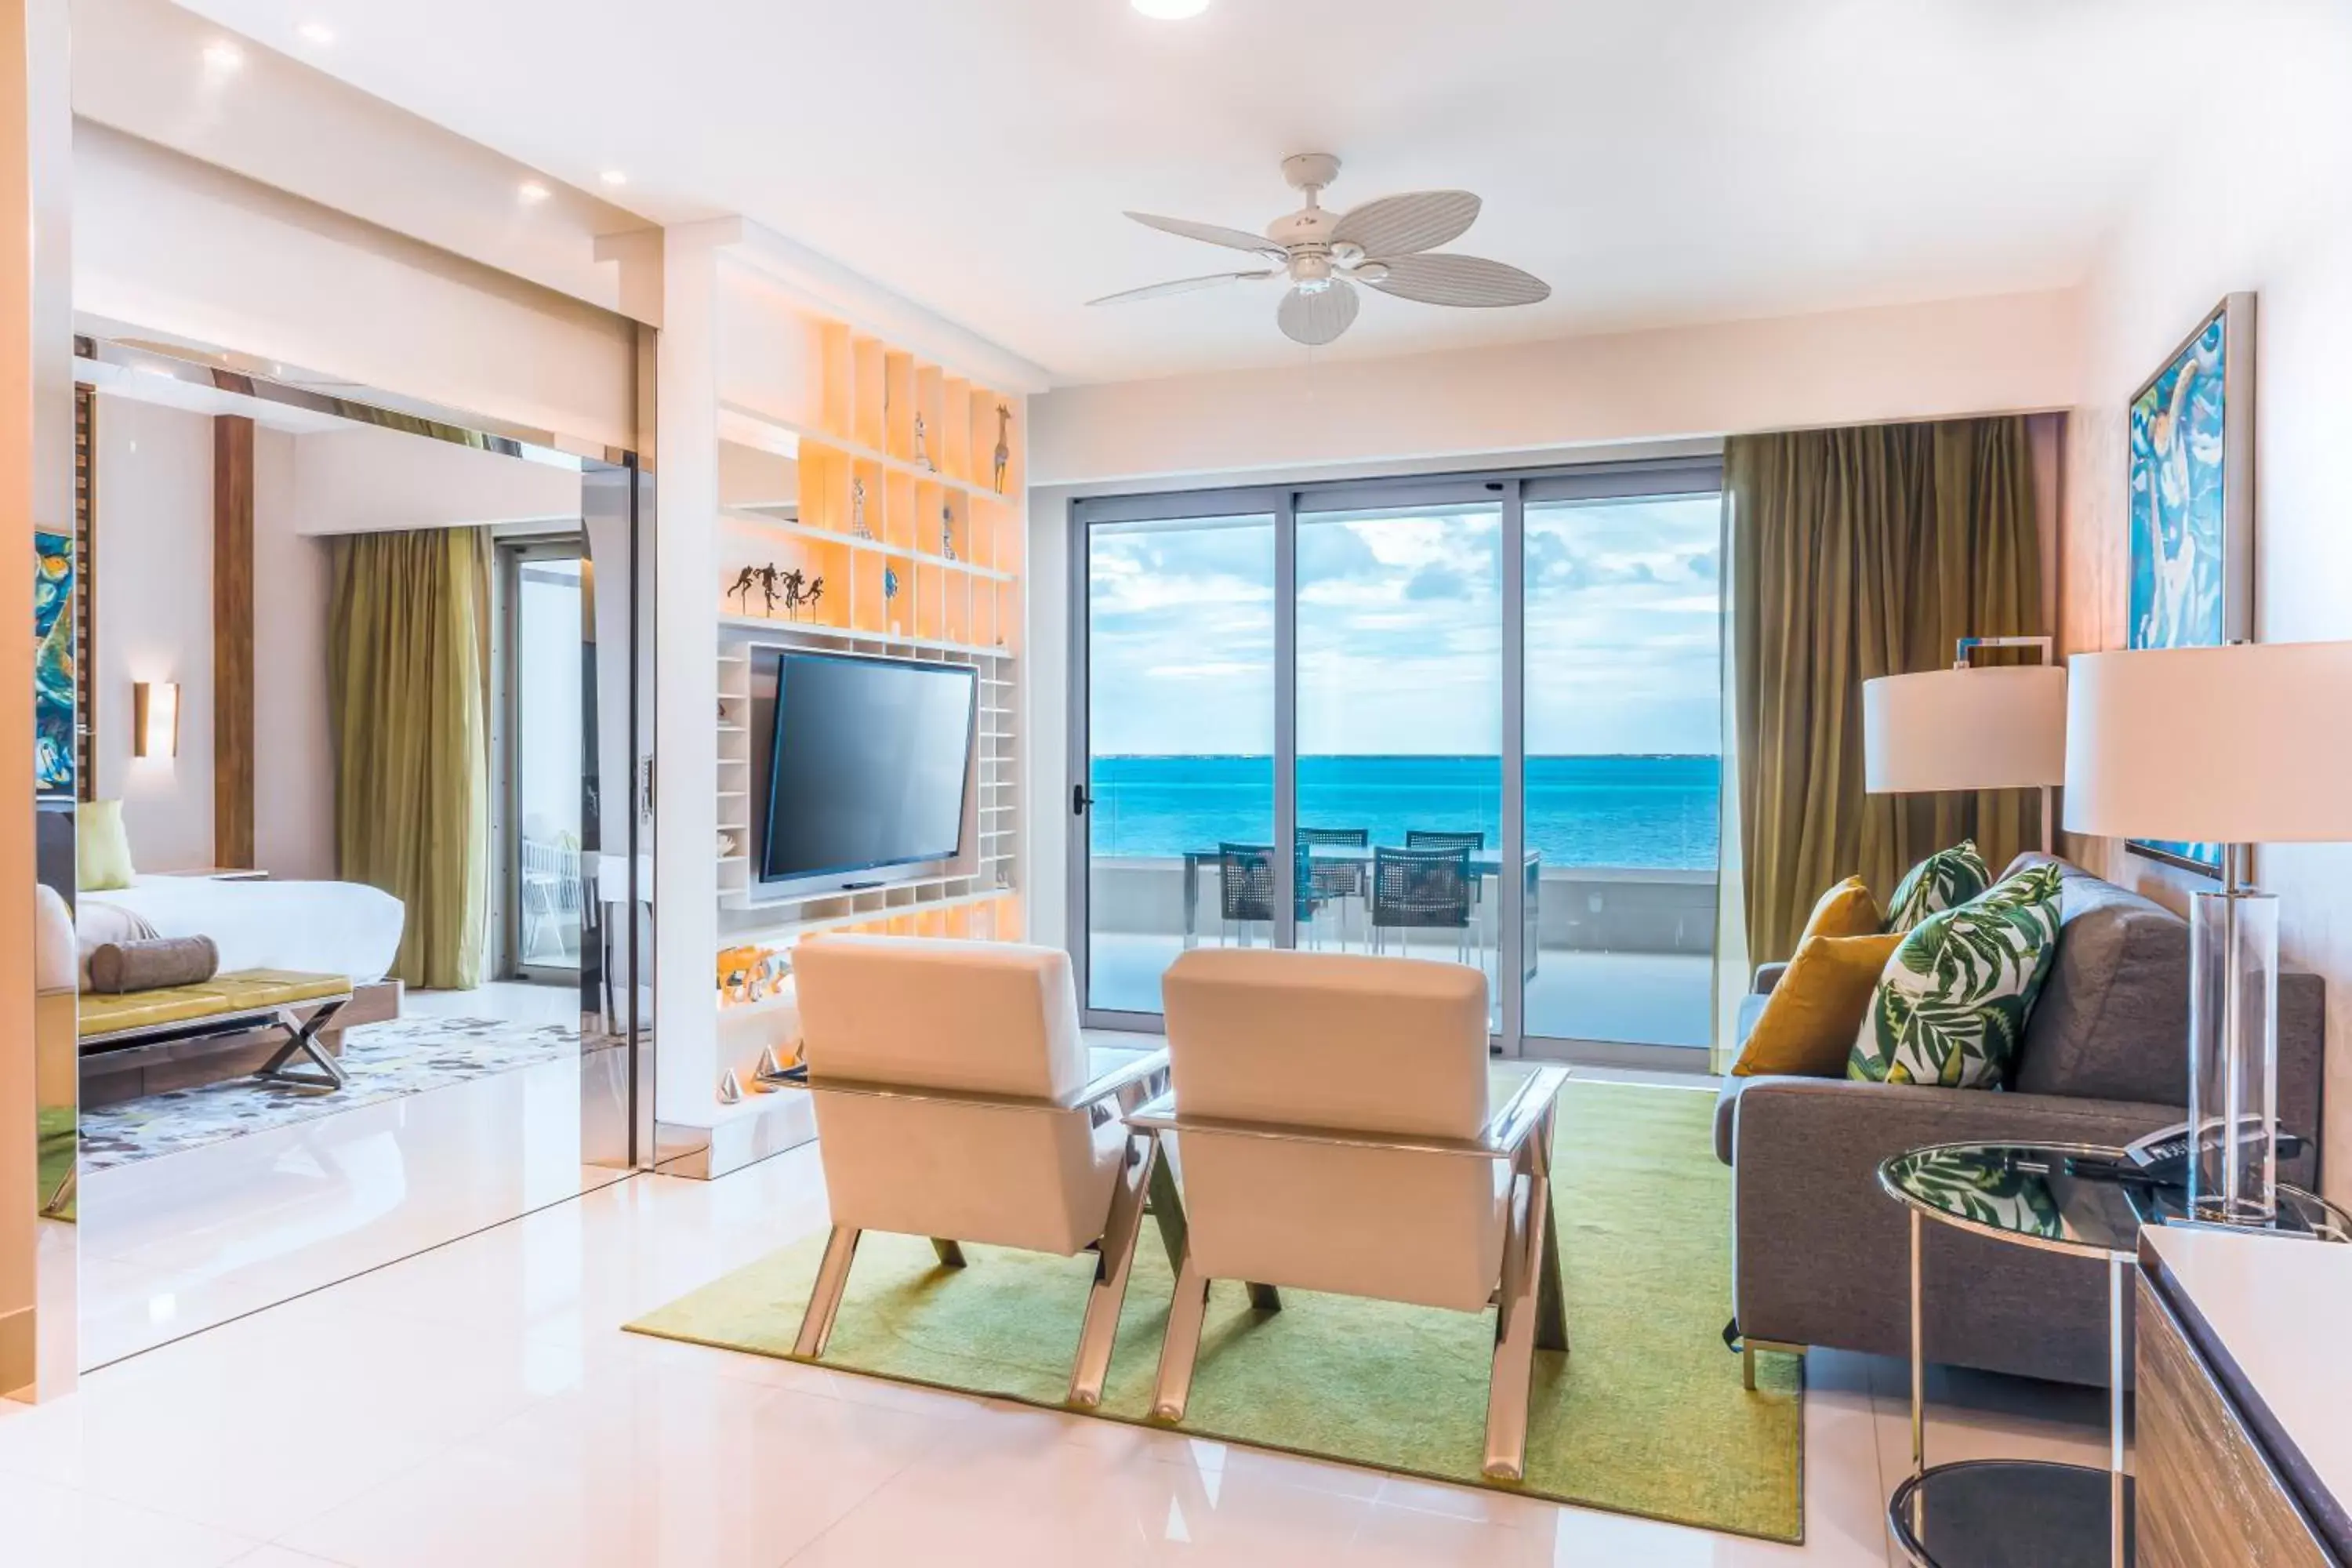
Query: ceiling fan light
(1373, 271)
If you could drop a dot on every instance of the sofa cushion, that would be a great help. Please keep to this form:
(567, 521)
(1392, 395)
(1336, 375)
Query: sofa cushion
(2113, 1020)
(1944, 881)
(1952, 1005)
(1808, 1023)
(1847, 909)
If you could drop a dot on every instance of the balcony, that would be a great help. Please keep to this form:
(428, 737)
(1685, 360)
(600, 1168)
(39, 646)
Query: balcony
(1622, 954)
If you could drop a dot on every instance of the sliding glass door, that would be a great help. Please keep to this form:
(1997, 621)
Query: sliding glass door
(1475, 718)
(1179, 746)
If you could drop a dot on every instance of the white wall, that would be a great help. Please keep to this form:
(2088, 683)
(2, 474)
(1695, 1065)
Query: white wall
(171, 246)
(294, 778)
(366, 480)
(155, 622)
(2259, 196)
(2001, 353)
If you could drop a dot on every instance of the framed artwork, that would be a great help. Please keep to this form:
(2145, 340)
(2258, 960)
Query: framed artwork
(2192, 508)
(54, 747)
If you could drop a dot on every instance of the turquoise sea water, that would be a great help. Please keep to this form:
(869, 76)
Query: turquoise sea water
(1626, 811)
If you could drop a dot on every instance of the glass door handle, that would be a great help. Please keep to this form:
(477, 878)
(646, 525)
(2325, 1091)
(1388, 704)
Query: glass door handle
(1079, 800)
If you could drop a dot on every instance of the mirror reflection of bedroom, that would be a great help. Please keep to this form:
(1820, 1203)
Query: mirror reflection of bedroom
(332, 878)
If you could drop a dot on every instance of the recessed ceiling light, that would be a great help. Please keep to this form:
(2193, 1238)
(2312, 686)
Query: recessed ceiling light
(532, 193)
(317, 33)
(223, 56)
(614, 177)
(1171, 10)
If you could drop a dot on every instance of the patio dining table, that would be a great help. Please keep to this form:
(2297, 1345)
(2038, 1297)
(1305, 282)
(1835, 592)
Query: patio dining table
(1485, 866)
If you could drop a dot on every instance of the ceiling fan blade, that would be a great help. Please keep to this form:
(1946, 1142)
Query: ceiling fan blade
(1182, 286)
(1214, 233)
(1318, 319)
(1469, 280)
(1417, 220)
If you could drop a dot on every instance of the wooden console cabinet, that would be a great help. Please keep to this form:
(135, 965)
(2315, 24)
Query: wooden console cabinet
(2244, 1444)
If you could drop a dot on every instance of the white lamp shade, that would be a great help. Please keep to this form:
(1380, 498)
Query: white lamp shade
(2002, 727)
(156, 719)
(2248, 744)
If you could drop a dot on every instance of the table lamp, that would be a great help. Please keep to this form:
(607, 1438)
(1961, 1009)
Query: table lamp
(2241, 744)
(1969, 727)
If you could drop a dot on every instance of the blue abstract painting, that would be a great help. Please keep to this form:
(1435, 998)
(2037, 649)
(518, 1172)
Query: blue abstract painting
(2181, 477)
(53, 665)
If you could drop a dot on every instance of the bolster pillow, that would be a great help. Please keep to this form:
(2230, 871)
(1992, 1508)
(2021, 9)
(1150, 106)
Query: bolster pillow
(152, 965)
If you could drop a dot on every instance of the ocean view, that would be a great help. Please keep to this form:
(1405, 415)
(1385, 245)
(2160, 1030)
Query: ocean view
(1651, 812)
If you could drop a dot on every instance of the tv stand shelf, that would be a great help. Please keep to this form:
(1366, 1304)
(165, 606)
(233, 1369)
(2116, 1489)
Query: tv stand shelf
(884, 482)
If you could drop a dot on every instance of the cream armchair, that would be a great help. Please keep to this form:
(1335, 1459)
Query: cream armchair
(956, 1100)
(1336, 1127)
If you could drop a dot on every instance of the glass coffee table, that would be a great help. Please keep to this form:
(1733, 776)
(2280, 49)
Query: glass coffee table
(2073, 1198)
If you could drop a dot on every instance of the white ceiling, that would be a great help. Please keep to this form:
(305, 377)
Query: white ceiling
(1658, 161)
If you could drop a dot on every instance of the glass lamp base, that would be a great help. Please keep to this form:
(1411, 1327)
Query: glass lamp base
(2233, 1056)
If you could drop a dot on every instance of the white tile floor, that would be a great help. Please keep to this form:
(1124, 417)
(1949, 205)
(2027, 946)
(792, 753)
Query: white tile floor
(180, 1243)
(478, 1404)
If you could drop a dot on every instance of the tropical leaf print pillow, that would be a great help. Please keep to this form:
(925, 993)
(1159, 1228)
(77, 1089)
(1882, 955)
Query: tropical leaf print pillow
(1944, 881)
(1952, 1004)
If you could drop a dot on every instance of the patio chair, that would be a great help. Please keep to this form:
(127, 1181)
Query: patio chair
(956, 1100)
(1336, 1116)
(1245, 887)
(1334, 881)
(1421, 889)
(1445, 838)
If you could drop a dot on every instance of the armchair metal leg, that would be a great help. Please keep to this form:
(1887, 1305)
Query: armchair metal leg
(1182, 1343)
(1098, 1331)
(824, 1298)
(951, 1253)
(1515, 1333)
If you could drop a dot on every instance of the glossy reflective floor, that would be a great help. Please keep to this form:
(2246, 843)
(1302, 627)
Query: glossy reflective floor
(181, 1242)
(478, 1404)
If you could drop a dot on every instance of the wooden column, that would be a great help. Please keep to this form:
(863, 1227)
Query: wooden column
(233, 737)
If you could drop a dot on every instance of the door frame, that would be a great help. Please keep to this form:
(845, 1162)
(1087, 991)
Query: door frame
(1512, 490)
(512, 553)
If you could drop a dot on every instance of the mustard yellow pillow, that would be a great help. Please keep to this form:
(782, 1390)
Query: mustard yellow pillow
(1847, 909)
(1809, 1022)
(101, 847)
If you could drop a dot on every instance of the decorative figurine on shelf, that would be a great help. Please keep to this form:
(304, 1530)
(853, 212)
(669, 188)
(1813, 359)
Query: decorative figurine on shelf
(1003, 444)
(745, 580)
(922, 446)
(726, 845)
(800, 592)
(889, 594)
(857, 510)
(947, 531)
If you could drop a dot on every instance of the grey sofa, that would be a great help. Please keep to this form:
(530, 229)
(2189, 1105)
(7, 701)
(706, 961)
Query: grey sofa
(1821, 1255)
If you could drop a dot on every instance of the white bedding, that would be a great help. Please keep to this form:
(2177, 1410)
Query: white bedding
(324, 928)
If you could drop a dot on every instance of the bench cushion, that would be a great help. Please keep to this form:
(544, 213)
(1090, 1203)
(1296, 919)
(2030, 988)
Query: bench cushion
(239, 991)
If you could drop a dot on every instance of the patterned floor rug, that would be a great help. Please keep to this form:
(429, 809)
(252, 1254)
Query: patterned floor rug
(386, 1061)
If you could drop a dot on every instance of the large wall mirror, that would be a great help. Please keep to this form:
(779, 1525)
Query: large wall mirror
(343, 712)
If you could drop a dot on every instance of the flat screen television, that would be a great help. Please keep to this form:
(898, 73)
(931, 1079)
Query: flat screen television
(866, 765)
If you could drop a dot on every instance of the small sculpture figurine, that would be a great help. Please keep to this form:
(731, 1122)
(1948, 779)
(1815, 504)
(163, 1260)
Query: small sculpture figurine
(947, 531)
(857, 510)
(922, 446)
(1003, 444)
(889, 585)
(745, 580)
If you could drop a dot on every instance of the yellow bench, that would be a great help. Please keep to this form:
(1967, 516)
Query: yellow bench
(230, 1004)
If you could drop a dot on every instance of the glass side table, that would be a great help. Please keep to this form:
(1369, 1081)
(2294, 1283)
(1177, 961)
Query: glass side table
(2073, 1198)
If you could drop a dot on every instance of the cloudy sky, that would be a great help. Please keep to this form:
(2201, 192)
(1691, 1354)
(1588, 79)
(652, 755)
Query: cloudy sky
(1399, 632)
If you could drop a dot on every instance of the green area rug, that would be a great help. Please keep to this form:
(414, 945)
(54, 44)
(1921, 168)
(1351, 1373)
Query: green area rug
(1645, 1416)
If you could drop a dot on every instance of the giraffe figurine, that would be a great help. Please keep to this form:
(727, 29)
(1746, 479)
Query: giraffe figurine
(1003, 444)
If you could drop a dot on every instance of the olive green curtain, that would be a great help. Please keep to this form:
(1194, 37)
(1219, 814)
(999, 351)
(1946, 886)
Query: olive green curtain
(408, 650)
(1856, 554)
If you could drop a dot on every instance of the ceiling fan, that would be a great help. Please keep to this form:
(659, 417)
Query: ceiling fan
(1389, 245)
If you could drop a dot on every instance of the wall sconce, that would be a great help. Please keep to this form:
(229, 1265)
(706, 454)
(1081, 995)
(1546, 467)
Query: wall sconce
(156, 719)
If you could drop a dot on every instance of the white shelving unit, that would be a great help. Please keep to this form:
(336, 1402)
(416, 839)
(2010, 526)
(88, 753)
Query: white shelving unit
(920, 553)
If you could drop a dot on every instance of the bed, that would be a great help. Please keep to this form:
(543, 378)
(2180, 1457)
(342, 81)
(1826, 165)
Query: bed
(326, 928)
